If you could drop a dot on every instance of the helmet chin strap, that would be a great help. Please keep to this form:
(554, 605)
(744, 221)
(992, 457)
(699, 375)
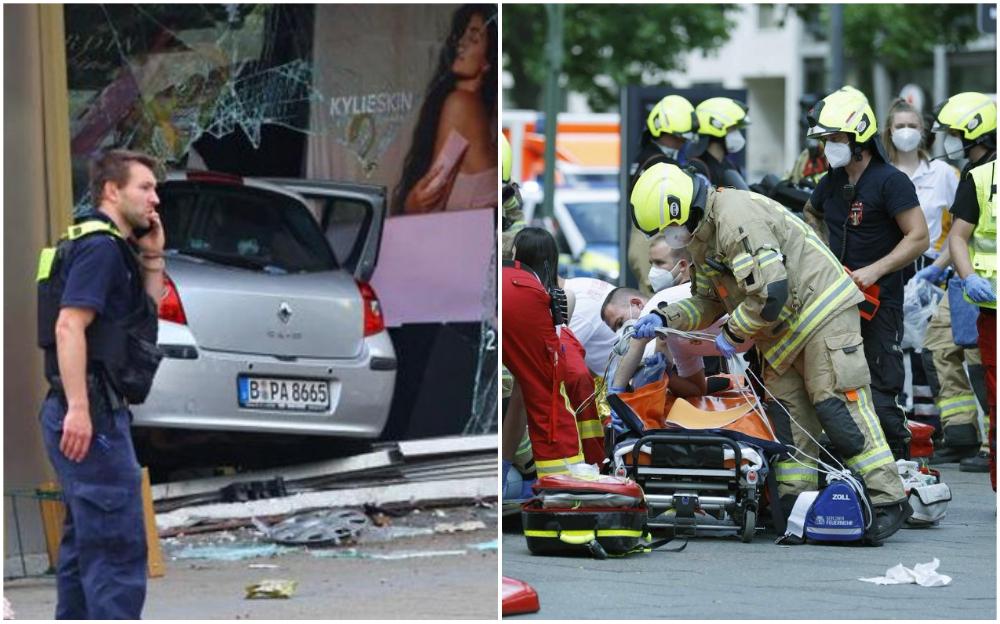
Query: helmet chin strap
(698, 201)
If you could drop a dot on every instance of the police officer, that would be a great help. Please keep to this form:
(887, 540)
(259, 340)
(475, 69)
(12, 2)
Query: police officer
(720, 124)
(970, 123)
(875, 227)
(969, 119)
(670, 125)
(96, 313)
(784, 289)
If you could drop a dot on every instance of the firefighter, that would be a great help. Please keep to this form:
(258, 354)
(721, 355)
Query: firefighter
(512, 219)
(969, 119)
(670, 125)
(720, 131)
(974, 252)
(783, 288)
(869, 212)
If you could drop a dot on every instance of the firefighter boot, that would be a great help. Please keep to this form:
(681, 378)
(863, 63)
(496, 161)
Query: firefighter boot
(960, 441)
(888, 519)
(980, 462)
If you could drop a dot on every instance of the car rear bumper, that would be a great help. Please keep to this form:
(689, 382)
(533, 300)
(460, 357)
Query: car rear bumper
(201, 393)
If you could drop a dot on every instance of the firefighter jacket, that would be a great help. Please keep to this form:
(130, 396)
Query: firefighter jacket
(765, 267)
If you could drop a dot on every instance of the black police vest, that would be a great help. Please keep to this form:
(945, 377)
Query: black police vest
(123, 350)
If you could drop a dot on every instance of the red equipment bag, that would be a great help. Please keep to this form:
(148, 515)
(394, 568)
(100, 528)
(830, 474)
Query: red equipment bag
(518, 597)
(599, 516)
(921, 444)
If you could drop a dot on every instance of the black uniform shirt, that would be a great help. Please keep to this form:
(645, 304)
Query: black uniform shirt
(867, 223)
(97, 277)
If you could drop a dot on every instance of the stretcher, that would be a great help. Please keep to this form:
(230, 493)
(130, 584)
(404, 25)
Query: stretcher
(701, 461)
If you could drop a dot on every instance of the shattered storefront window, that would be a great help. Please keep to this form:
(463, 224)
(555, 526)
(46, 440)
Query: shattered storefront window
(162, 77)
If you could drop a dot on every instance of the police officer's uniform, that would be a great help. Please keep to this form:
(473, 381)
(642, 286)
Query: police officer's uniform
(101, 572)
(783, 288)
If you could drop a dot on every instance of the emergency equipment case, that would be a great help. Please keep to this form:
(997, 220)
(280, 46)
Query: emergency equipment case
(599, 516)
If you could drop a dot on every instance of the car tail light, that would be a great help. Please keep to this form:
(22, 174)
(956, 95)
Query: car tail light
(374, 321)
(170, 305)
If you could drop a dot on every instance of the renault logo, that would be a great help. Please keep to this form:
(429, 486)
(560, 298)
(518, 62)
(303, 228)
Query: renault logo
(284, 312)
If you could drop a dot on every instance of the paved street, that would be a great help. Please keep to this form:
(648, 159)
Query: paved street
(721, 578)
(439, 576)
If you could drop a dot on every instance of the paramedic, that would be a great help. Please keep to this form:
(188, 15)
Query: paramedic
(720, 124)
(87, 290)
(973, 245)
(536, 247)
(670, 125)
(876, 228)
(783, 288)
(533, 355)
(969, 119)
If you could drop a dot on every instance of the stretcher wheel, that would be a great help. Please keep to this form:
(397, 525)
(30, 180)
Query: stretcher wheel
(749, 524)
(597, 551)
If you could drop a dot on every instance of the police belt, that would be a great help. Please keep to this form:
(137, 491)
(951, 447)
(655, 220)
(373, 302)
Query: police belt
(101, 395)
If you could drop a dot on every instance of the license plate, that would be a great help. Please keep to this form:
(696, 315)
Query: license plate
(299, 395)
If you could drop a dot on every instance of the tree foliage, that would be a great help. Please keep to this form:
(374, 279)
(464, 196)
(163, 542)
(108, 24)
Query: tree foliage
(901, 36)
(619, 42)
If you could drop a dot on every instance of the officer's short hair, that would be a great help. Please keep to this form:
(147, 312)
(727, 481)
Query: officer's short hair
(113, 166)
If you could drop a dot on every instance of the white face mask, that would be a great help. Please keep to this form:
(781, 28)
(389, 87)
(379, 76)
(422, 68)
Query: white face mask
(735, 141)
(660, 278)
(906, 139)
(953, 146)
(677, 236)
(670, 152)
(837, 154)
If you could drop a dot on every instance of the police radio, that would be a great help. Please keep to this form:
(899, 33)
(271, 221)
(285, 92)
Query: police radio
(559, 306)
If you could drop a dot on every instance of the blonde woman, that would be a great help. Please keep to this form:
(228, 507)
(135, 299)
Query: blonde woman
(935, 180)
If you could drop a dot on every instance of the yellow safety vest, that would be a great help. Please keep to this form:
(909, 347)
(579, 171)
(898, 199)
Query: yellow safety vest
(983, 245)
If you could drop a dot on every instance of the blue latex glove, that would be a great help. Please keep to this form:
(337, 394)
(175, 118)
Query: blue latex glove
(646, 326)
(616, 423)
(930, 273)
(978, 289)
(615, 390)
(725, 348)
(652, 370)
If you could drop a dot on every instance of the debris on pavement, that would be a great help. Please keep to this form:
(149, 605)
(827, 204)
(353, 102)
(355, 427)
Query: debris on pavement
(328, 526)
(923, 574)
(232, 552)
(354, 553)
(8, 611)
(449, 527)
(490, 545)
(263, 566)
(272, 588)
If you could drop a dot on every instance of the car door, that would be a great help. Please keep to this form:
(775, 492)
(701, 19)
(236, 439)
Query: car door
(351, 216)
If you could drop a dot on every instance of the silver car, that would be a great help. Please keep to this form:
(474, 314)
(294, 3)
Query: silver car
(268, 323)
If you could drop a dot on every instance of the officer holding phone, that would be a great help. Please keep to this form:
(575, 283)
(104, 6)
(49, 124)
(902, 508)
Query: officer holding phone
(98, 296)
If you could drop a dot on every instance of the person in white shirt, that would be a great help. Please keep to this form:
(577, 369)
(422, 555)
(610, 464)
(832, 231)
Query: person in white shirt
(585, 320)
(935, 180)
(623, 304)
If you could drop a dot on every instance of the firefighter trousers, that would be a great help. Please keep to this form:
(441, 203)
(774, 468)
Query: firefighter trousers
(954, 395)
(882, 336)
(827, 388)
(101, 573)
(533, 354)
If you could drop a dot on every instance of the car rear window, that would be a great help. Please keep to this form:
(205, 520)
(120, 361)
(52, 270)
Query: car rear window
(243, 226)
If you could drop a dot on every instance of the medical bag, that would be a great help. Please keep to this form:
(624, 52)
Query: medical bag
(594, 515)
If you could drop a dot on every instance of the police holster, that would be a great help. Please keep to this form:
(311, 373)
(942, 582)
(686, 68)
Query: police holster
(102, 398)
